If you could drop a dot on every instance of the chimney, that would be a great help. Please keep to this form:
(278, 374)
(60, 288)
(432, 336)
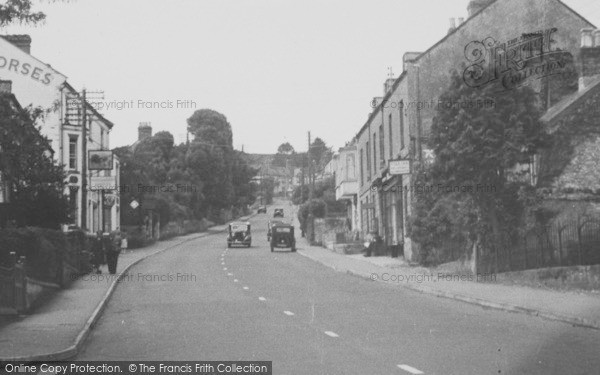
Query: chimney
(5, 87)
(387, 86)
(144, 131)
(452, 25)
(408, 58)
(477, 5)
(589, 56)
(460, 21)
(22, 41)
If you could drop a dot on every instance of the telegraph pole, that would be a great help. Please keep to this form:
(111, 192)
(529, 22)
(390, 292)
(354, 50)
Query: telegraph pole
(311, 181)
(84, 176)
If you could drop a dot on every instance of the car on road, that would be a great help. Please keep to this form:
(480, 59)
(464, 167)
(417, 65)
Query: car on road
(278, 212)
(239, 234)
(282, 235)
(261, 210)
(270, 225)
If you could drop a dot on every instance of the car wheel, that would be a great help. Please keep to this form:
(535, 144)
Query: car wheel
(228, 245)
(293, 249)
(272, 249)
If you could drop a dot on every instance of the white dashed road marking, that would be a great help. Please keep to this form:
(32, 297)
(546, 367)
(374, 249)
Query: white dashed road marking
(331, 334)
(262, 299)
(410, 369)
(229, 274)
(288, 313)
(224, 268)
(245, 288)
(235, 280)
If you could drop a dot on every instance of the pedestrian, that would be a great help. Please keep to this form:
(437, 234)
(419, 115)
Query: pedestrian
(97, 252)
(113, 248)
(124, 242)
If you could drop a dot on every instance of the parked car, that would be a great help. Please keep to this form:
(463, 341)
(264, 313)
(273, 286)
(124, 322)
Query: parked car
(270, 225)
(261, 210)
(278, 212)
(239, 234)
(282, 235)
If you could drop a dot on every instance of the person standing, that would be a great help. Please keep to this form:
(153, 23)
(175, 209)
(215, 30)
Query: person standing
(97, 252)
(113, 248)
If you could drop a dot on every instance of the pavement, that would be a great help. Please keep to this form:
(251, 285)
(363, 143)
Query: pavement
(58, 329)
(572, 307)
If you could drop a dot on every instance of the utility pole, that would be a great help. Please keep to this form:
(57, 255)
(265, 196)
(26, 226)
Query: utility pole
(84, 176)
(311, 218)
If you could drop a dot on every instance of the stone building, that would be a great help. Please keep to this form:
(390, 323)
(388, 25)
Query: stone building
(505, 43)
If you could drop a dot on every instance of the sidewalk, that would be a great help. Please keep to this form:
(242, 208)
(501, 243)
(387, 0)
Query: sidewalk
(581, 309)
(58, 329)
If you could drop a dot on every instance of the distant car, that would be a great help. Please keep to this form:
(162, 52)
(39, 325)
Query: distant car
(270, 225)
(239, 234)
(261, 210)
(282, 235)
(278, 212)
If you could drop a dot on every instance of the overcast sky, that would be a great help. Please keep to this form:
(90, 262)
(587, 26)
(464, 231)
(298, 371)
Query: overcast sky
(275, 68)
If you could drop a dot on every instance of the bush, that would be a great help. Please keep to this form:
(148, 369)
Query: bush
(43, 249)
(319, 210)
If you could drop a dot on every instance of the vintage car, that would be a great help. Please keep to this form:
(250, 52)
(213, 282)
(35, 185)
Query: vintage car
(282, 235)
(269, 225)
(239, 234)
(261, 210)
(278, 212)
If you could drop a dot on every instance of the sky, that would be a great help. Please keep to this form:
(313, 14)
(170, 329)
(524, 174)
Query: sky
(276, 69)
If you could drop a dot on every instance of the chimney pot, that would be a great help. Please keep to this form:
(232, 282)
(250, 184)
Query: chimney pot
(22, 41)
(144, 130)
(460, 21)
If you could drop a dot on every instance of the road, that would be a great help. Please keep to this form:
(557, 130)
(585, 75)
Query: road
(202, 302)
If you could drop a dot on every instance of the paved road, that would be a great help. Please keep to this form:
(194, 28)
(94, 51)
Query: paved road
(251, 304)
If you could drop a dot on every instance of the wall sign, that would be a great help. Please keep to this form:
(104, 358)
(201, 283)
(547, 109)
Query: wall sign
(399, 167)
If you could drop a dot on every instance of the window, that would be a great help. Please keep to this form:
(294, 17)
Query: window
(401, 113)
(3, 190)
(350, 169)
(73, 152)
(375, 153)
(73, 206)
(381, 147)
(362, 174)
(391, 143)
(368, 162)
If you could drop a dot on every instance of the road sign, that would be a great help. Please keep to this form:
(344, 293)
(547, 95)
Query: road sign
(134, 204)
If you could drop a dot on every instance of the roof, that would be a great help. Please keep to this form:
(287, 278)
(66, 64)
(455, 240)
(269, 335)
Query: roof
(554, 112)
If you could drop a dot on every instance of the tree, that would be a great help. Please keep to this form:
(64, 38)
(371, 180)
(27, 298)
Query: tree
(286, 149)
(19, 11)
(36, 183)
(474, 149)
(320, 153)
(211, 127)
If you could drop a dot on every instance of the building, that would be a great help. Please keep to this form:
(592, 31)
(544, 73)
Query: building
(567, 170)
(540, 41)
(92, 170)
(346, 183)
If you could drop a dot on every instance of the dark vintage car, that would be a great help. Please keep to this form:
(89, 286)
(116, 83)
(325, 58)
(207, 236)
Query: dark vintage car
(261, 210)
(269, 225)
(282, 235)
(278, 212)
(239, 234)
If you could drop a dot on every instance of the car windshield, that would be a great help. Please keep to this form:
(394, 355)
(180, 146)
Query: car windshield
(239, 227)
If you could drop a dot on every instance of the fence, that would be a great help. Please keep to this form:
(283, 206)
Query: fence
(571, 243)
